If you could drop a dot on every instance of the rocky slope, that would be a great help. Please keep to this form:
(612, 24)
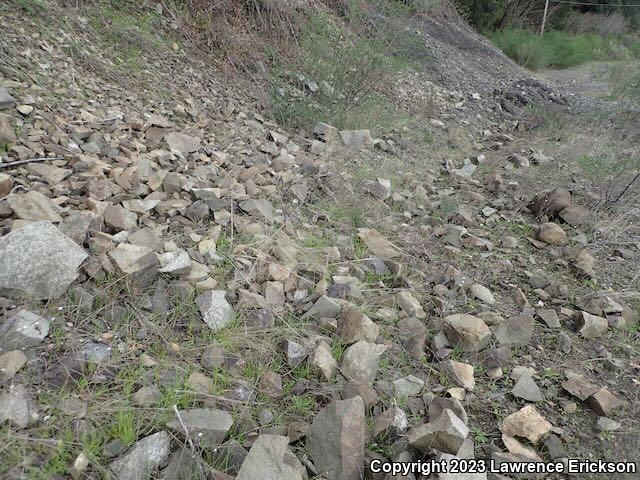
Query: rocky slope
(191, 291)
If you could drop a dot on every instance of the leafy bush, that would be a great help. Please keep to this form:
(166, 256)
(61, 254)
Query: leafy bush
(344, 66)
(558, 49)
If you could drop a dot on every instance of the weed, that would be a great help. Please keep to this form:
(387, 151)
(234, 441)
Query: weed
(125, 427)
(480, 437)
(302, 405)
(337, 350)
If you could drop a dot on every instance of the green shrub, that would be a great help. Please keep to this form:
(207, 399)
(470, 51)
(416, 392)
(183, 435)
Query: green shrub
(557, 49)
(351, 59)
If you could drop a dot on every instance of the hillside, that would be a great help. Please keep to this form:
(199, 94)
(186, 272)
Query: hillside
(201, 277)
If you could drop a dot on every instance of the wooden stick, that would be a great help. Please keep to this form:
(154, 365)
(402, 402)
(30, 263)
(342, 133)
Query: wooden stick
(29, 160)
(196, 456)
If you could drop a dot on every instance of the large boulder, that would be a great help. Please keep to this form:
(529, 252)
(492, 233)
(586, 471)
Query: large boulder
(39, 261)
(336, 439)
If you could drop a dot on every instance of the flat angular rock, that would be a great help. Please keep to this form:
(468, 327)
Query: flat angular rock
(270, 458)
(603, 402)
(354, 326)
(325, 307)
(515, 331)
(175, 263)
(591, 326)
(119, 218)
(446, 433)
(580, 386)
(574, 215)
(23, 330)
(407, 386)
(410, 305)
(38, 261)
(582, 264)
(356, 138)
(34, 206)
(551, 233)
(462, 373)
(413, 334)
(182, 143)
(324, 361)
(6, 100)
(549, 316)
(527, 389)
(51, 174)
(207, 427)
(216, 311)
(143, 459)
(526, 423)
(390, 423)
(260, 208)
(138, 262)
(336, 439)
(17, 407)
(10, 363)
(467, 332)
(360, 361)
(377, 244)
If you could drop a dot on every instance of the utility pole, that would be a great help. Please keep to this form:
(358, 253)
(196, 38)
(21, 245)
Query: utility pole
(544, 16)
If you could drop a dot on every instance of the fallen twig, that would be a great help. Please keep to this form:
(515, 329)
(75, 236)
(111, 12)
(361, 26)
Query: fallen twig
(29, 160)
(201, 472)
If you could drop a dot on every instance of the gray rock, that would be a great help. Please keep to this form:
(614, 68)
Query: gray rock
(446, 433)
(605, 424)
(294, 352)
(182, 143)
(336, 438)
(216, 311)
(413, 335)
(97, 352)
(39, 261)
(207, 427)
(119, 218)
(17, 407)
(139, 263)
(515, 331)
(549, 316)
(270, 458)
(143, 459)
(175, 263)
(390, 423)
(6, 100)
(407, 386)
(23, 330)
(260, 208)
(10, 363)
(324, 307)
(360, 361)
(527, 389)
(147, 396)
(34, 206)
(356, 138)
